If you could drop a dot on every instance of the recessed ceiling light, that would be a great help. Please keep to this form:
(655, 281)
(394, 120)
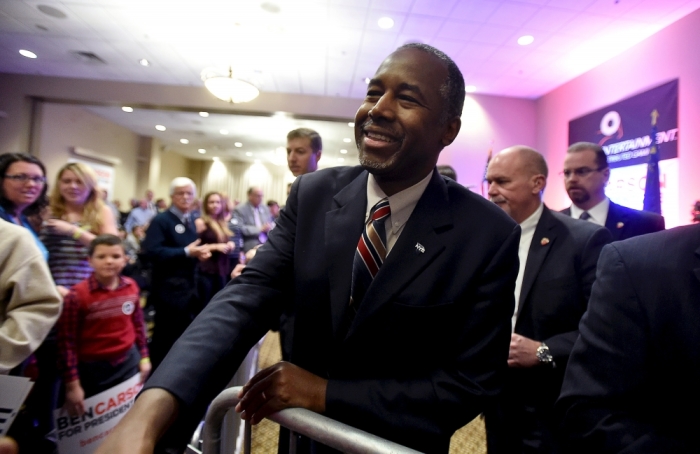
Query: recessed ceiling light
(367, 79)
(470, 88)
(347, 140)
(385, 22)
(237, 144)
(204, 114)
(341, 159)
(525, 40)
(201, 151)
(343, 151)
(351, 124)
(27, 53)
(127, 109)
(223, 131)
(248, 153)
(144, 62)
(160, 127)
(184, 141)
(215, 158)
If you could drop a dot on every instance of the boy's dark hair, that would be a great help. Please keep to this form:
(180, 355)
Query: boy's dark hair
(106, 239)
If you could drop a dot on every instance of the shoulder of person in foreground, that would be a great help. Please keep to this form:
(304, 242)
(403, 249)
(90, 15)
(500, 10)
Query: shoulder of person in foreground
(31, 303)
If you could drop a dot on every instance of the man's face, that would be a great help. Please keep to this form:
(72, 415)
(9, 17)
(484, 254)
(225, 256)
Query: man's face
(255, 197)
(108, 261)
(512, 187)
(397, 127)
(585, 191)
(182, 198)
(301, 158)
(149, 195)
(143, 204)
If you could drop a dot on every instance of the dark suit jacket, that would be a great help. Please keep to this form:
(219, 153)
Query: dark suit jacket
(428, 346)
(559, 274)
(246, 222)
(626, 223)
(632, 381)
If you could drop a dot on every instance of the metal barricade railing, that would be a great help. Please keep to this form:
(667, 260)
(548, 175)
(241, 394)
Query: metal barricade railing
(301, 421)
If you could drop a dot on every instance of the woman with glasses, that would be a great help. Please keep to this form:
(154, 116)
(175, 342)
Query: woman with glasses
(23, 191)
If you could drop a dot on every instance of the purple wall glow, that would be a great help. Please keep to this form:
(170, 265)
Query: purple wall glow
(669, 54)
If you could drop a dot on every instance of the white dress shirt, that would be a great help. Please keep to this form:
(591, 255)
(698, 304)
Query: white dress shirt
(598, 213)
(527, 232)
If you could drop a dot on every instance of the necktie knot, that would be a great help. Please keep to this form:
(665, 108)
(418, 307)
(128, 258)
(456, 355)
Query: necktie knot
(585, 216)
(381, 210)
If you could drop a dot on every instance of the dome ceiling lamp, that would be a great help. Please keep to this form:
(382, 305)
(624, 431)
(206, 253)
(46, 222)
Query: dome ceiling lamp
(228, 88)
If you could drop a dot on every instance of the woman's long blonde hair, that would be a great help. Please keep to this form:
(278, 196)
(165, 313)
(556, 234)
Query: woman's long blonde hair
(92, 209)
(218, 224)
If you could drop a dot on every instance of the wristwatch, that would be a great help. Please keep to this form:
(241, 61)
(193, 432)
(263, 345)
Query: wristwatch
(544, 355)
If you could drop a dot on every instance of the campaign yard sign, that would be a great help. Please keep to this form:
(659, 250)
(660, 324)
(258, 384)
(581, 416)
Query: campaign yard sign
(83, 434)
(623, 129)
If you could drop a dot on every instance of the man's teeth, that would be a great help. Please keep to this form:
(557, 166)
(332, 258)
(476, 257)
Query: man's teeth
(376, 136)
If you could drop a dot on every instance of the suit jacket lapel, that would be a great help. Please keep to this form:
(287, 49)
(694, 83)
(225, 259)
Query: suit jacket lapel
(615, 218)
(344, 224)
(542, 242)
(417, 246)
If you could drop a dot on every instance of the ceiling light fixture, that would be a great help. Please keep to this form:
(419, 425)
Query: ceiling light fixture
(237, 144)
(470, 88)
(201, 151)
(343, 151)
(128, 109)
(160, 127)
(223, 131)
(385, 22)
(27, 53)
(184, 141)
(144, 62)
(525, 40)
(248, 153)
(227, 88)
(351, 124)
(204, 114)
(347, 140)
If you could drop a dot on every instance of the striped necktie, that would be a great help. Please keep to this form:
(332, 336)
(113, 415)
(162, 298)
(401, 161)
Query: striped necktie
(370, 253)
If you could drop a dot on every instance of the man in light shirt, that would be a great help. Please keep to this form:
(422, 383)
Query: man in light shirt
(558, 257)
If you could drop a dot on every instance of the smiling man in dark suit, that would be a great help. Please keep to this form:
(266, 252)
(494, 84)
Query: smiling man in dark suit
(586, 173)
(558, 258)
(410, 356)
(636, 366)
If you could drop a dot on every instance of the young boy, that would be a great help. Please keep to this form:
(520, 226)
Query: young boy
(101, 335)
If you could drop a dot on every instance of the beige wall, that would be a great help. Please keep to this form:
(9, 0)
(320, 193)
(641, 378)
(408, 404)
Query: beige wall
(63, 127)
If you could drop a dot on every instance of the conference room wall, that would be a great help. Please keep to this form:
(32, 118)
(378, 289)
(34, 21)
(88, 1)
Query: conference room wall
(666, 55)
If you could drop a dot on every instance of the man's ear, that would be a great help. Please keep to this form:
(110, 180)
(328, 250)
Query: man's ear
(318, 155)
(451, 131)
(606, 174)
(539, 182)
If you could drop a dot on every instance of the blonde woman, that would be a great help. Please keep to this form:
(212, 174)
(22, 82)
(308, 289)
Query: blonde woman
(213, 231)
(76, 215)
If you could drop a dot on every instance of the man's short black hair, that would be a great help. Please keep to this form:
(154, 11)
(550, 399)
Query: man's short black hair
(601, 159)
(452, 90)
(447, 171)
(313, 136)
(106, 239)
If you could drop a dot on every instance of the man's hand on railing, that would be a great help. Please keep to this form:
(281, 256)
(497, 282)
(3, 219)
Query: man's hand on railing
(281, 386)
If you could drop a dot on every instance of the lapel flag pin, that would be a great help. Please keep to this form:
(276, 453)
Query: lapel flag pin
(420, 248)
(544, 241)
(620, 225)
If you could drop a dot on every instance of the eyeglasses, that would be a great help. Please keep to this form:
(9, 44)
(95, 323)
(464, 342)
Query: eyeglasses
(581, 172)
(23, 178)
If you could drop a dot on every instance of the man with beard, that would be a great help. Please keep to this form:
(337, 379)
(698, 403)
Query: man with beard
(586, 173)
(404, 333)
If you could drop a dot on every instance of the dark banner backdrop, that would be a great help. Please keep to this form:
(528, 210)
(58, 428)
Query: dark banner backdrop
(623, 129)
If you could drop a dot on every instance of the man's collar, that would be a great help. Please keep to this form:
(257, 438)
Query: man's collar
(599, 213)
(402, 203)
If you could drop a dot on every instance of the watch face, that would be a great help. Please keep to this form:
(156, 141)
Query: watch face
(543, 354)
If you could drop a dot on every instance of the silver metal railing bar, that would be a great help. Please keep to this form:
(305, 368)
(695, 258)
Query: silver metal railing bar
(318, 427)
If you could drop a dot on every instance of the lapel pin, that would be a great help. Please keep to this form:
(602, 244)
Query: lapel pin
(620, 225)
(544, 241)
(420, 248)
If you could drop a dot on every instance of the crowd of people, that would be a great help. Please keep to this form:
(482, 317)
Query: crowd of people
(448, 306)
